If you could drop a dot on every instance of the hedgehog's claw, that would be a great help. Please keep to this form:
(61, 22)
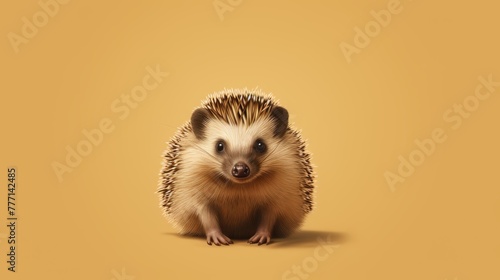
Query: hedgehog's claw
(218, 239)
(260, 238)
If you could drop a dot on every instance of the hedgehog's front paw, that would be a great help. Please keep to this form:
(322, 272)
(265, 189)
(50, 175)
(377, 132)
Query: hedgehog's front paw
(217, 238)
(261, 237)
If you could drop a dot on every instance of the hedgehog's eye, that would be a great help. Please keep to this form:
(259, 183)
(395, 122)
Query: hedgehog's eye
(219, 146)
(260, 146)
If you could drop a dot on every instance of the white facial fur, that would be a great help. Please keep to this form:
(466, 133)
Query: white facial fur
(238, 142)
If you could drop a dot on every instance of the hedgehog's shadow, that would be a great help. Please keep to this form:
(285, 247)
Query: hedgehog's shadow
(302, 238)
(310, 238)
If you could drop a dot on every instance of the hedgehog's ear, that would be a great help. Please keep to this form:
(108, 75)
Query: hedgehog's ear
(280, 117)
(199, 120)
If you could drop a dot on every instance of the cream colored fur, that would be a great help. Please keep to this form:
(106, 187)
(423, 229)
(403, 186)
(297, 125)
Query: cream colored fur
(239, 208)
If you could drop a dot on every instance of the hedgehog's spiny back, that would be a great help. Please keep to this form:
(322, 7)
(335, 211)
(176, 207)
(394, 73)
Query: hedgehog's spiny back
(239, 108)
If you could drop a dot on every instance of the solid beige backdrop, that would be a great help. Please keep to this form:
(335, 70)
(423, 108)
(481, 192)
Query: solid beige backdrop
(366, 82)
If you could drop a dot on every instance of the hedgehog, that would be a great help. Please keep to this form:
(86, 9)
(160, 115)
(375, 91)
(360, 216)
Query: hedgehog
(237, 170)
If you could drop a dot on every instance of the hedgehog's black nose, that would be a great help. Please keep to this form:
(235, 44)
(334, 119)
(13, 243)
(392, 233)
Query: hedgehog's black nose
(240, 170)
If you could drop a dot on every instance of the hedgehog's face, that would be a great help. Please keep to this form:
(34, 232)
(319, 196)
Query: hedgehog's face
(241, 153)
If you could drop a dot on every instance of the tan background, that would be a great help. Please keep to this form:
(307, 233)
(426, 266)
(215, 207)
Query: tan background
(358, 117)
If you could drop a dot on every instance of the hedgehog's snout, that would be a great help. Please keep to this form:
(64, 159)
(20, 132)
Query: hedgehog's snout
(240, 170)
